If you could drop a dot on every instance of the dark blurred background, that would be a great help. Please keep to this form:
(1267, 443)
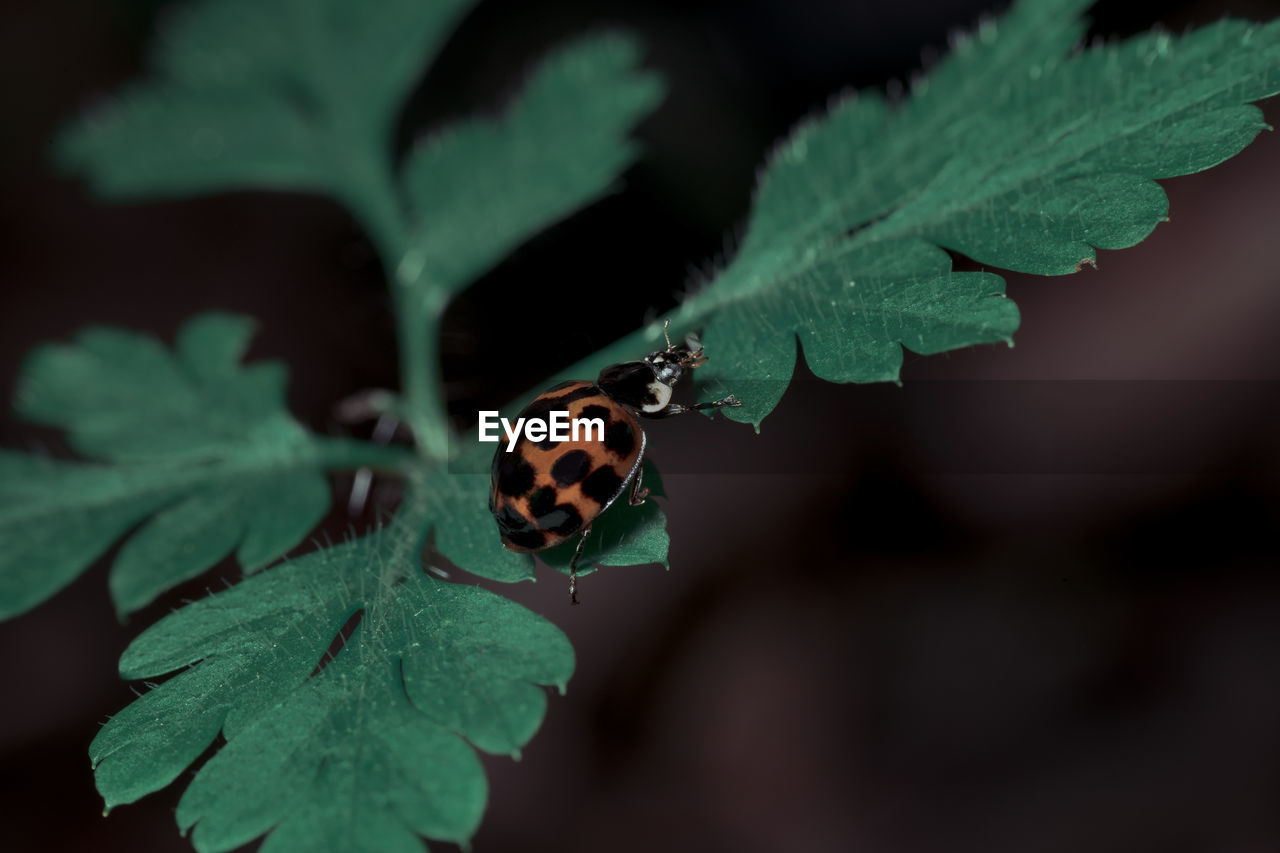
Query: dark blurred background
(1028, 601)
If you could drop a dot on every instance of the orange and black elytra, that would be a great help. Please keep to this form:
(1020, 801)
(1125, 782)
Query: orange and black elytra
(543, 493)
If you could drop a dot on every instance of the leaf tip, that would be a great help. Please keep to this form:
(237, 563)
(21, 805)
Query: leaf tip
(109, 804)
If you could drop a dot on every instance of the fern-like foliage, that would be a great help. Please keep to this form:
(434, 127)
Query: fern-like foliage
(1016, 150)
(275, 94)
(367, 753)
(201, 449)
(189, 439)
(304, 96)
(466, 220)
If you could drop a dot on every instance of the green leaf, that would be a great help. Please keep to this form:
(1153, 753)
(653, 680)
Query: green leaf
(263, 93)
(207, 451)
(281, 94)
(853, 313)
(57, 517)
(1014, 151)
(481, 187)
(466, 533)
(368, 753)
(126, 397)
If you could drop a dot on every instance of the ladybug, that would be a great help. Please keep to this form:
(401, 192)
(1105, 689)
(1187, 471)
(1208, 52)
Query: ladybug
(543, 493)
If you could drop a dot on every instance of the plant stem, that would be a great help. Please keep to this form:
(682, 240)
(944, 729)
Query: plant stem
(341, 453)
(408, 531)
(370, 193)
(419, 310)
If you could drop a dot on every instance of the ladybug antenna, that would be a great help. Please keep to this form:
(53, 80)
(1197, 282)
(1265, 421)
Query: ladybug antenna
(664, 332)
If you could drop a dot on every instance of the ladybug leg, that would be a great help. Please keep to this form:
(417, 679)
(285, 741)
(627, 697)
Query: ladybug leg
(676, 409)
(573, 565)
(383, 431)
(638, 493)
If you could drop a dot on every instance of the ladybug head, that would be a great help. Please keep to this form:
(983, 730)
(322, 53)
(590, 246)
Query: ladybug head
(669, 364)
(646, 385)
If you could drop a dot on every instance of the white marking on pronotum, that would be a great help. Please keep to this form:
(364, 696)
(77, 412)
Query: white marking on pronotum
(661, 393)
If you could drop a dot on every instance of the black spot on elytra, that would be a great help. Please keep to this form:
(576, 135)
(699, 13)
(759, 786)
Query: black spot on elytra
(565, 384)
(539, 410)
(563, 520)
(531, 539)
(563, 400)
(595, 412)
(548, 402)
(542, 502)
(620, 438)
(571, 467)
(603, 485)
(512, 473)
(511, 523)
(581, 393)
(518, 529)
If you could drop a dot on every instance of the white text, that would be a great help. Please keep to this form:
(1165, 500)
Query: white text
(558, 426)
